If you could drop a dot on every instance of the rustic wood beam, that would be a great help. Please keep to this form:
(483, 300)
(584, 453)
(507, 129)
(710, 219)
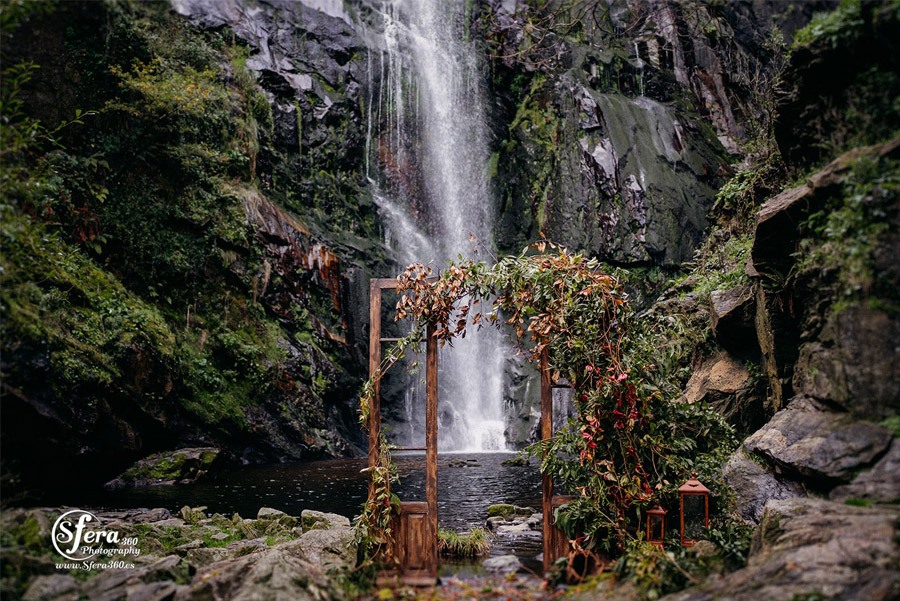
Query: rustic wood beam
(374, 364)
(546, 481)
(431, 440)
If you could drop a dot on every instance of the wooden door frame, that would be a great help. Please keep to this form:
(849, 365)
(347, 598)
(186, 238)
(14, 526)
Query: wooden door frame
(555, 542)
(376, 286)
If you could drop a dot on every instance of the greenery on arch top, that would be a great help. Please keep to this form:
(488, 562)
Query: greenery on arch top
(632, 443)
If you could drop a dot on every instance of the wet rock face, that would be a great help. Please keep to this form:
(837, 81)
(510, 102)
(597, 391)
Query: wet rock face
(853, 363)
(628, 178)
(609, 146)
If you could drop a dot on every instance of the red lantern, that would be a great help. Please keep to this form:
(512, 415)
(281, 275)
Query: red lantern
(656, 526)
(694, 510)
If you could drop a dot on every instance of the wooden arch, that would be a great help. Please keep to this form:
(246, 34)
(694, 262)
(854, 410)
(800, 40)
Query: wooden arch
(416, 526)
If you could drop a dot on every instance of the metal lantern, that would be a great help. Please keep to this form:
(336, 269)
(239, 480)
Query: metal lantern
(656, 526)
(694, 510)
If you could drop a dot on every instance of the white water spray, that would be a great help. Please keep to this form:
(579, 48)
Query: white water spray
(428, 136)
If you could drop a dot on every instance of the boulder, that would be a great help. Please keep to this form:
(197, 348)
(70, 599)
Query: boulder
(880, 484)
(193, 515)
(150, 516)
(507, 510)
(809, 548)
(182, 466)
(269, 513)
(273, 521)
(776, 228)
(281, 573)
(113, 584)
(726, 384)
(151, 591)
(754, 486)
(502, 564)
(320, 520)
(828, 447)
(332, 548)
(52, 587)
(203, 556)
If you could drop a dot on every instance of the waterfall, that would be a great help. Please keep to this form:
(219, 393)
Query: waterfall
(427, 164)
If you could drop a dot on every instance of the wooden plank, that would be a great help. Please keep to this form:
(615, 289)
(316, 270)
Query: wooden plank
(546, 482)
(374, 363)
(385, 283)
(392, 283)
(431, 442)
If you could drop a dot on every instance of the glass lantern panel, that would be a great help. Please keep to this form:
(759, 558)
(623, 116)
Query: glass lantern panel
(656, 528)
(694, 516)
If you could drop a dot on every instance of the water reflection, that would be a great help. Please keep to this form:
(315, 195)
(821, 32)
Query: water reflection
(464, 493)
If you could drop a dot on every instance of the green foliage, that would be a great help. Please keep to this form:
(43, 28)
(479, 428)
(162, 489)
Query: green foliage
(720, 264)
(845, 233)
(55, 295)
(474, 543)
(741, 195)
(536, 124)
(657, 572)
(893, 424)
(833, 28)
(130, 271)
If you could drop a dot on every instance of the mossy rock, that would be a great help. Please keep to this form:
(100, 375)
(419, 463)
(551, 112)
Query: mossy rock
(507, 510)
(181, 466)
(319, 520)
(193, 515)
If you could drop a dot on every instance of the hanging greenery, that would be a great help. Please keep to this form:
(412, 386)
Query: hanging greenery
(631, 444)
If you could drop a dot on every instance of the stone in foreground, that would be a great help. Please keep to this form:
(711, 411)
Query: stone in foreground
(811, 548)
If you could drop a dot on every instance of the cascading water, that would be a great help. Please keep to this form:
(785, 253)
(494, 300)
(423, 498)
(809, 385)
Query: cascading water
(427, 161)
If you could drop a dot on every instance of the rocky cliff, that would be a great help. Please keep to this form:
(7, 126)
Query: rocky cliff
(180, 260)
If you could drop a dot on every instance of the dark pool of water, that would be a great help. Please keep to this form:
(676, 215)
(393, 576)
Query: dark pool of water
(338, 486)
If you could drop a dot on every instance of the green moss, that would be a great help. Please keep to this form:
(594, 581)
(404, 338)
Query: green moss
(507, 510)
(893, 424)
(858, 502)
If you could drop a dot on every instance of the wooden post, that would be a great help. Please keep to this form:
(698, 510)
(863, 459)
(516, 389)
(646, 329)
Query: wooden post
(546, 481)
(431, 441)
(374, 363)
